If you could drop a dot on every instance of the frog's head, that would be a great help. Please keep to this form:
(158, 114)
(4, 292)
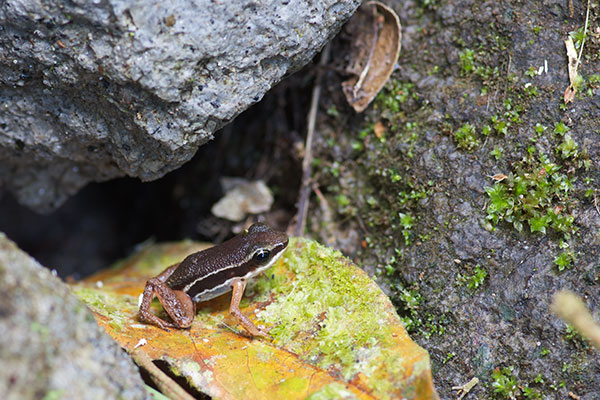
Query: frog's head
(264, 245)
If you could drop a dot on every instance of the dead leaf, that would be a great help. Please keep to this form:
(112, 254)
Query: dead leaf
(569, 94)
(378, 129)
(376, 45)
(572, 57)
(336, 334)
(499, 177)
(570, 91)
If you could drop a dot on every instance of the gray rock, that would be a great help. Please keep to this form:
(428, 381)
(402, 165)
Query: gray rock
(92, 90)
(51, 347)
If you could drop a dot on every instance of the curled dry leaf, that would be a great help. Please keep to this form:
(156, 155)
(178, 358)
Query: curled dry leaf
(499, 177)
(376, 36)
(570, 91)
(336, 335)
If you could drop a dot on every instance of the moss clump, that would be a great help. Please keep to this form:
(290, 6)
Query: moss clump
(537, 194)
(466, 138)
(326, 313)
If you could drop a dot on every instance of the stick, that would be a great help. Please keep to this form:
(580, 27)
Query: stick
(167, 386)
(587, 16)
(570, 308)
(306, 163)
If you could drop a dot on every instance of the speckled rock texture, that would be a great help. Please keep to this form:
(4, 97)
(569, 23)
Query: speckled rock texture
(51, 347)
(92, 90)
(476, 62)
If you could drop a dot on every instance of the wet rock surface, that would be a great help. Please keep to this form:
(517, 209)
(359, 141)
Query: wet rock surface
(476, 293)
(93, 91)
(51, 345)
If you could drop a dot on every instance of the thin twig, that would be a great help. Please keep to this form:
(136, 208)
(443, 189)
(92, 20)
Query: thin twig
(306, 163)
(587, 17)
(365, 71)
(165, 384)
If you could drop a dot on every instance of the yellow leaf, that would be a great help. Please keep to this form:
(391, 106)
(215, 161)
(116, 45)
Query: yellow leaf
(336, 335)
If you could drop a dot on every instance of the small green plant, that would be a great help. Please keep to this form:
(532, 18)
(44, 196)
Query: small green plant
(578, 37)
(568, 148)
(394, 95)
(497, 152)
(499, 125)
(564, 260)
(531, 72)
(474, 280)
(572, 335)
(466, 62)
(531, 393)
(539, 129)
(449, 356)
(406, 222)
(560, 128)
(333, 111)
(594, 80)
(408, 301)
(466, 138)
(537, 194)
(504, 383)
(531, 90)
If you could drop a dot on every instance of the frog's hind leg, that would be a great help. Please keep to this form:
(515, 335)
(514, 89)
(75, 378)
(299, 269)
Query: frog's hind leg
(178, 305)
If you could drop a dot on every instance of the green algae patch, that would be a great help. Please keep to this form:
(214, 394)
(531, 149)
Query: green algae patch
(335, 334)
(335, 317)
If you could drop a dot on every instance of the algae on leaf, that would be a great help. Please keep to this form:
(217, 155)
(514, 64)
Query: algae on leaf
(334, 331)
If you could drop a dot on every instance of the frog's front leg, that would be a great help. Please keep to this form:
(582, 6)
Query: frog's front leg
(178, 305)
(238, 286)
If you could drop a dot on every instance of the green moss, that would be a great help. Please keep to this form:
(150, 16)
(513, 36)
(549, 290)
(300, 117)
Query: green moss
(537, 194)
(568, 148)
(466, 62)
(394, 95)
(474, 280)
(329, 301)
(504, 383)
(564, 260)
(108, 304)
(497, 152)
(466, 137)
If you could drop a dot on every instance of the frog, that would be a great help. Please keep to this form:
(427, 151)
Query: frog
(210, 273)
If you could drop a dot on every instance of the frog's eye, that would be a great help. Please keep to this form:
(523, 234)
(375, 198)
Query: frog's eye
(261, 255)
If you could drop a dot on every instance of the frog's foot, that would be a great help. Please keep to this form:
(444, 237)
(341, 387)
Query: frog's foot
(178, 305)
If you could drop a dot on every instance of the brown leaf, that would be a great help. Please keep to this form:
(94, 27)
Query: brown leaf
(336, 334)
(499, 177)
(379, 129)
(569, 94)
(571, 90)
(374, 53)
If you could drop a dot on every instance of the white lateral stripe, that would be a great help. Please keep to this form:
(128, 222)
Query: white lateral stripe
(187, 288)
(218, 290)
